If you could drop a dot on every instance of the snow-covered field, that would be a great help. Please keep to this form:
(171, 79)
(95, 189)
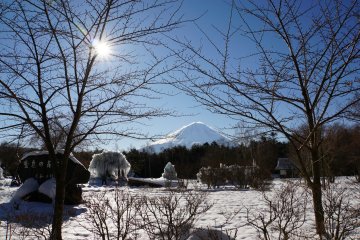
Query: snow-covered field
(227, 215)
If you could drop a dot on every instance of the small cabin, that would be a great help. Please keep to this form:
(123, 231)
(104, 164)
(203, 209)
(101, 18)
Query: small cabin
(285, 168)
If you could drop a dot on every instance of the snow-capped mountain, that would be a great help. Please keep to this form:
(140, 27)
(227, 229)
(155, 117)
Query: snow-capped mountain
(194, 133)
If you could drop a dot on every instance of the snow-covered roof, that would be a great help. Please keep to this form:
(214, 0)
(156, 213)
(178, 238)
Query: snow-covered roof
(40, 153)
(284, 164)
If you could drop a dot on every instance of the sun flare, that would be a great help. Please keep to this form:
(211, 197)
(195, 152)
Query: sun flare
(102, 49)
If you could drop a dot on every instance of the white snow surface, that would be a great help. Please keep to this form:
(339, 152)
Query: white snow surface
(226, 200)
(161, 181)
(189, 135)
(30, 185)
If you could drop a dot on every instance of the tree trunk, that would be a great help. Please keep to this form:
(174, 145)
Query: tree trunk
(59, 201)
(317, 194)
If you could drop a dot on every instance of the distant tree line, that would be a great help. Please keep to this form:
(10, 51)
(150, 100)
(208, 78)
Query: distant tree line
(189, 161)
(10, 155)
(340, 151)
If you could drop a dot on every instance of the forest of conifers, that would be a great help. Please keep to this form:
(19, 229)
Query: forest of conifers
(340, 154)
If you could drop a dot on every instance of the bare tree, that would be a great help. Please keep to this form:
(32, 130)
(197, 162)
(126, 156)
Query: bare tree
(283, 215)
(342, 214)
(57, 83)
(299, 68)
(341, 149)
(354, 114)
(173, 215)
(113, 215)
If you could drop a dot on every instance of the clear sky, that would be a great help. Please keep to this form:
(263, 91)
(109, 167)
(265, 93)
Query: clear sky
(213, 12)
(213, 15)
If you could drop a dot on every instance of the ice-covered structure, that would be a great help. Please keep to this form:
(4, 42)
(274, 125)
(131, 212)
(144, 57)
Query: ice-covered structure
(36, 173)
(169, 172)
(109, 164)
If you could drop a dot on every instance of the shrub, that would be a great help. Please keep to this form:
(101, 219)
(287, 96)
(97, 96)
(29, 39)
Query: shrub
(241, 177)
(283, 215)
(173, 215)
(342, 214)
(113, 215)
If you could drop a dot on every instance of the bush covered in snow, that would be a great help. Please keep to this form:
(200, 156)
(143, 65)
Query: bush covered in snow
(1, 173)
(239, 176)
(169, 172)
(109, 164)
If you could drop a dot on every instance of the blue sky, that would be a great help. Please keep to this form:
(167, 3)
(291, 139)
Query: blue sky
(214, 12)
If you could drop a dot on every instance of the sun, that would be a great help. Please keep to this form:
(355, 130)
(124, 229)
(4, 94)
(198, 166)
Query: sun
(102, 49)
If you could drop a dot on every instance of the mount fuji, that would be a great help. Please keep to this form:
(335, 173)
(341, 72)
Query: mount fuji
(194, 133)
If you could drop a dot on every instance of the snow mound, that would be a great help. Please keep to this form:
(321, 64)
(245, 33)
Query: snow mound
(196, 133)
(30, 185)
(48, 188)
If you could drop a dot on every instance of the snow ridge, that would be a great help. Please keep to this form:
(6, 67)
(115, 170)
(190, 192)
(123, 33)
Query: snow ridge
(189, 135)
